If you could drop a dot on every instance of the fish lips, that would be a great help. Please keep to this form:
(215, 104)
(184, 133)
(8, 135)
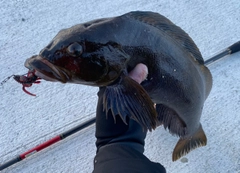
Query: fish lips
(46, 70)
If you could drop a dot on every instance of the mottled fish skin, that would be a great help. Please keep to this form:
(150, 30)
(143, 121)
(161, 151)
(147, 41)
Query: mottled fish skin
(177, 81)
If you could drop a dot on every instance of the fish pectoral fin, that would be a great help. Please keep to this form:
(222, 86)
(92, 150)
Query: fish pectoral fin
(128, 98)
(185, 145)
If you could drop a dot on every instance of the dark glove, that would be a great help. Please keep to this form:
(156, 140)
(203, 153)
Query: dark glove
(109, 132)
(120, 146)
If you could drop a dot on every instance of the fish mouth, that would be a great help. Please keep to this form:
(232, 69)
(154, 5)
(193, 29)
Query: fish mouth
(46, 70)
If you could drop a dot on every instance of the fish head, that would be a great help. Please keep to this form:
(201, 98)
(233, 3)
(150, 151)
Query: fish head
(74, 59)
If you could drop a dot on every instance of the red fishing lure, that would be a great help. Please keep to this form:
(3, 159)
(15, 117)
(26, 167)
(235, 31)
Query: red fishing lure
(27, 80)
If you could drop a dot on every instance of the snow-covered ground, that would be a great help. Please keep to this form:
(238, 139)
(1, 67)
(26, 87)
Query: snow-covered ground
(26, 121)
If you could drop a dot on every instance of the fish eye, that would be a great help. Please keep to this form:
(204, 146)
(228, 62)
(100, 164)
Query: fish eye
(75, 49)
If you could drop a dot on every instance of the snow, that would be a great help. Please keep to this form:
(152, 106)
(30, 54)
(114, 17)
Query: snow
(25, 121)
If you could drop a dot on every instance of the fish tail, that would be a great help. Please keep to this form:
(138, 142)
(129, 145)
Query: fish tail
(185, 145)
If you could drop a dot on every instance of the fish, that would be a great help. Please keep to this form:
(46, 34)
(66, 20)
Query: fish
(102, 52)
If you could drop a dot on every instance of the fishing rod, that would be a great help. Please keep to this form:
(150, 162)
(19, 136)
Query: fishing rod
(228, 51)
(48, 143)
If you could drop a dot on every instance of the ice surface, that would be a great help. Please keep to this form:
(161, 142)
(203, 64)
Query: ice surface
(25, 121)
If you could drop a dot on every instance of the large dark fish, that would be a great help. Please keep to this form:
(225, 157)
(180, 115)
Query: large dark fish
(102, 52)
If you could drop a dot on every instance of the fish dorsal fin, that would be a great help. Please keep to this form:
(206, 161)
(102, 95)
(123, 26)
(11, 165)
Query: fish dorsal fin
(165, 25)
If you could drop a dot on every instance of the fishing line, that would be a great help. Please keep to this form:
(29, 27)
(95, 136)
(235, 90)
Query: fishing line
(228, 51)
